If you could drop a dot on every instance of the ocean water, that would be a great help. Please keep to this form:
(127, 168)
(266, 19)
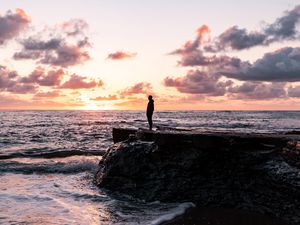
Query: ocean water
(48, 160)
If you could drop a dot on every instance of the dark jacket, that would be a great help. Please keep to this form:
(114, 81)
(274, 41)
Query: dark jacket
(150, 107)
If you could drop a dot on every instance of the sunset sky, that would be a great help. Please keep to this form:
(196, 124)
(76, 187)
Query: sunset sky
(190, 55)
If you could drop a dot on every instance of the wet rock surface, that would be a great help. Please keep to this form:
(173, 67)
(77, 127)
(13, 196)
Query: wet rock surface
(252, 172)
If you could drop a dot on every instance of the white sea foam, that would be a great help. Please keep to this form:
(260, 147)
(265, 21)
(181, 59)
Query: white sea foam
(179, 210)
(50, 166)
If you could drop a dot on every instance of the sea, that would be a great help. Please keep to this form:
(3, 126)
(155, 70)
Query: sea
(48, 160)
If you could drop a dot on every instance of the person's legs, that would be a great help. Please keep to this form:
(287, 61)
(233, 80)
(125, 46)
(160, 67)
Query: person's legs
(150, 122)
(149, 117)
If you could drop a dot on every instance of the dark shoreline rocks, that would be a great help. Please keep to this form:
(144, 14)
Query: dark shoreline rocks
(219, 216)
(254, 172)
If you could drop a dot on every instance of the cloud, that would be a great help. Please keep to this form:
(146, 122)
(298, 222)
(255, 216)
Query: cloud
(119, 55)
(79, 82)
(131, 94)
(49, 94)
(105, 98)
(193, 52)
(65, 45)
(294, 92)
(7, 77)
(139, 88)
(235, 38)
(66, 55)
(198, 82)
(32, 44)
(285, 27)
(197, 58)
(217, 73)
(282, 65)
(9, 82)
(202, 84)
(12, 23)
(191, 46)
(74, 27)
(22, 88)
(43, 78)
(258, 91)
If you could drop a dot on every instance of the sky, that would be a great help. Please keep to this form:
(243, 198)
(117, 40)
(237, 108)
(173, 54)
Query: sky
(189, 55)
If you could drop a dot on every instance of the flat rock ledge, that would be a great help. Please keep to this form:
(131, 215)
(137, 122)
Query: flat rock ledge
(255, 172)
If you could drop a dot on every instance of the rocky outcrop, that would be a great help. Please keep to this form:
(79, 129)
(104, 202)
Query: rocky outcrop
(122, 134)
(243, 171)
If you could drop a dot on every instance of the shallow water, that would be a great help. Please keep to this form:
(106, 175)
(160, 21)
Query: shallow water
(48, 160)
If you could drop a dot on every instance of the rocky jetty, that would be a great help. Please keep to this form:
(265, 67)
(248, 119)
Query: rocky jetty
(255, 172)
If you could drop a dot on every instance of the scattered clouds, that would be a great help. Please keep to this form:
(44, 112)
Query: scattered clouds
(74, 27)
(194, 53)
(202, 84)
(79, 82)
(64, 45)
(105, 98)
(21, 88)
(130, 94)
(285, 27)
(12, 23)
(139, 88)
(294, 92)
(190, 46)
(49, 94)
(217, 74)
(258, 91)
(199, 82)
(282, 65)
(9, 82)
(235, 38)
(44, 78)
(214, 74)
(120, 55)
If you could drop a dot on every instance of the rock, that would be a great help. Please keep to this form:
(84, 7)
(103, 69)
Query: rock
(296, 132)
(122, 134)
(217, 216)
(241, 171)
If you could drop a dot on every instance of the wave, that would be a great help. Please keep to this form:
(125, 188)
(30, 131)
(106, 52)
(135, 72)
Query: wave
(179, 210)
(74, 166)
(50, 154)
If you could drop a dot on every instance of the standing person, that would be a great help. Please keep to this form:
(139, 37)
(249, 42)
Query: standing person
(150, 109)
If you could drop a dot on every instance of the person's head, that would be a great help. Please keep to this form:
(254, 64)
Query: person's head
(150, 97)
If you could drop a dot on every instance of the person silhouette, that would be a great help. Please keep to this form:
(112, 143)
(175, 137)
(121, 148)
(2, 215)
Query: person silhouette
(150, 109)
